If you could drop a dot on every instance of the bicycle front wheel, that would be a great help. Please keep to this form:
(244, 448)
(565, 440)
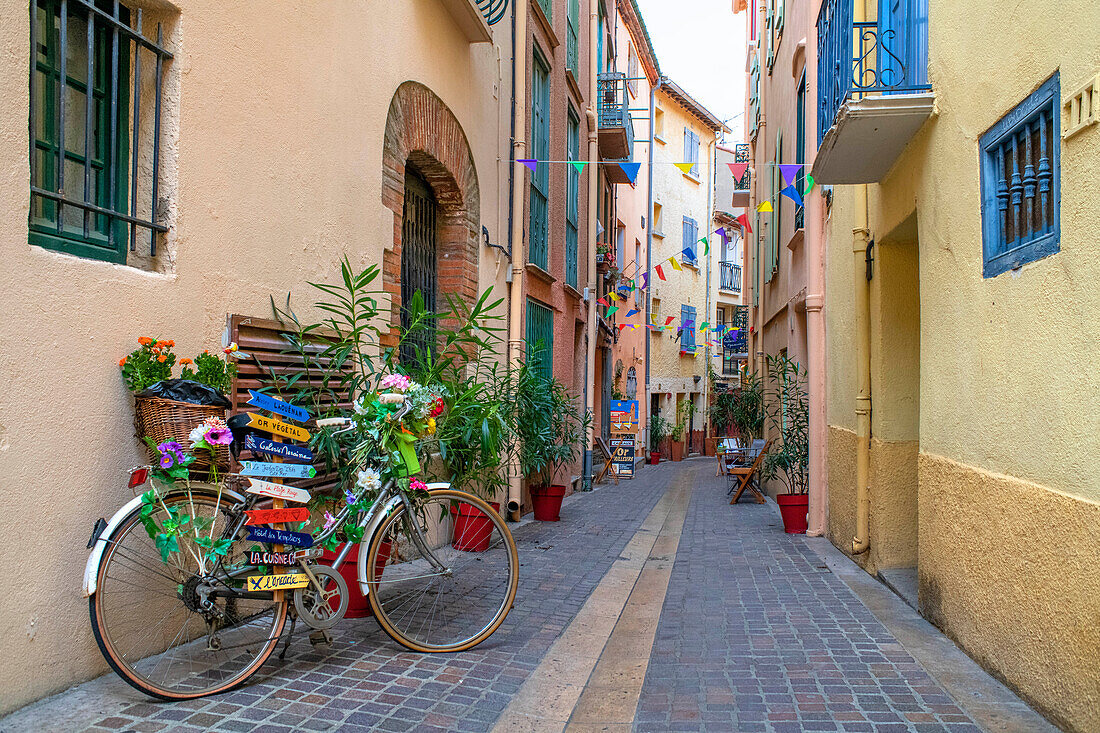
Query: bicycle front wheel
(150, 619)
(450, 591)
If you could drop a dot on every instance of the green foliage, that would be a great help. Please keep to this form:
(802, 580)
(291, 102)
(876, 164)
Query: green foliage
(211, 371)
(742, 409)
(787, 410)
(659, 429)
(684, 410)
(550, 428)
(150, 363)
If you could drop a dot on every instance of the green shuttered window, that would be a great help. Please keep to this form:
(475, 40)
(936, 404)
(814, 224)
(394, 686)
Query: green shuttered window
(540, 337)
(572, 206)
(540, 150)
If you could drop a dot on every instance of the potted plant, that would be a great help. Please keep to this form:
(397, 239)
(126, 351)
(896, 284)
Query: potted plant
(684, 411)
(167, 409)
(602, 252)
(550, 430)
(787, 409)
(676, 436)
(746, 410)
(658, 431)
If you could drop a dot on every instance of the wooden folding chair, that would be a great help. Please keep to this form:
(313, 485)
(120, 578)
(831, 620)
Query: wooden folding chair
(608, 466)
(744, 474)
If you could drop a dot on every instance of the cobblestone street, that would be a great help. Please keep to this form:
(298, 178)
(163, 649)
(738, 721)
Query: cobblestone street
(652, 606)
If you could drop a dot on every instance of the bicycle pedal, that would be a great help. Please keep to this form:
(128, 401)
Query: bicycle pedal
(320, 636)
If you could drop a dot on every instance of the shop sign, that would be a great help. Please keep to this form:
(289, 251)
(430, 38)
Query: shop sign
(280, 537)
(277, 582)
(256, 557)
(283, 470)
(276, 516)
(277, 427)
(264, 402)
(277, 491)
(622, 454)
(283, 450)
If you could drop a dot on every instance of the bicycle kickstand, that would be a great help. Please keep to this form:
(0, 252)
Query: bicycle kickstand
(289, 636)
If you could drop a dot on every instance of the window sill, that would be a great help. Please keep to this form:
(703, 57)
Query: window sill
(572, 291)
(692, 265)
(546, 24)
(797, 239)
(540, 274)
(660, 139)
(659, 235)
(571, 81)
(694, 179)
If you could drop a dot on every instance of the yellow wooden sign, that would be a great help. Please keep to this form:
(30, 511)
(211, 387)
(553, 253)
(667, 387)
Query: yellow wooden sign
(271, 425)
(277, 582)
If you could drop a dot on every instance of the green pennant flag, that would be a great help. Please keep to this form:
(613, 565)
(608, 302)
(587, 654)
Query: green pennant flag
(809, 185)
(706, 246)
(579, 165)
(611, 311)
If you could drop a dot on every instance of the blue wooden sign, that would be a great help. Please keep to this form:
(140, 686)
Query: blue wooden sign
(264, 402)
(284, 470)
(280, 537)
(282, 450)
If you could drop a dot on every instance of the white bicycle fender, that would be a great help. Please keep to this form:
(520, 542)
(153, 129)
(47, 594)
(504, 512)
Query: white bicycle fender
(91, 568)
(370, 529)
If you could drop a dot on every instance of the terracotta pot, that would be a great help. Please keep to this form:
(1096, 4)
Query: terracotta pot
(546, 501)
(654, 457)
(472, 527)
(795, 509)
(710, 446)
(677, 447)
(358, 605)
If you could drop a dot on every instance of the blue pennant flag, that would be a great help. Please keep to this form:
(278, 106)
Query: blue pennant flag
(631, 170)
(792, 193)
(688, 254)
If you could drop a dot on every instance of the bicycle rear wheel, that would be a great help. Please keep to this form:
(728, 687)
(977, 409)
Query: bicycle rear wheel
(448, 609)
(147, 615)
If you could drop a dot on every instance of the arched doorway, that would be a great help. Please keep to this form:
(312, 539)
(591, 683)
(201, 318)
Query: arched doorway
(419, 271)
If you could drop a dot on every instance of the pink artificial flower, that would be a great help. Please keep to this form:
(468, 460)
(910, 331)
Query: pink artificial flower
(395, 381)
(219, 436)
(417, 485)
(329, 521)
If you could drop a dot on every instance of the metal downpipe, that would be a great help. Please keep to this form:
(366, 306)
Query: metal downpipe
(590, 356)
(861, 242)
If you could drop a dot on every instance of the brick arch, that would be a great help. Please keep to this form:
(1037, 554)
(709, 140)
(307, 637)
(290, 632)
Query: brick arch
(423, 133)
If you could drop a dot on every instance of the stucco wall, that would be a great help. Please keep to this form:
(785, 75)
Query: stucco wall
(282, 109)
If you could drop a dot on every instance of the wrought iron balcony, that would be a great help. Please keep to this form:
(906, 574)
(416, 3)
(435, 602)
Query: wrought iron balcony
(742, 189)
(475, 16)
(873, 90)
(730, 277)
(616, 130)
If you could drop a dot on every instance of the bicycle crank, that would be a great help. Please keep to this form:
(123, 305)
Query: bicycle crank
(324, 602)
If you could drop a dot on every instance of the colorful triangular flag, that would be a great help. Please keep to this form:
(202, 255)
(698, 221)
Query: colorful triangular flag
(706, 246)
(529, 162)
(669, 320)
(645, 281)
(688, 254)
(766, 206)
(611, 311)
(789, 171)
(631, 312)
(579, 165)
(631, 170)
(621, 327)
(738, 170)
(792, 193)
(809, 185)
(601, 301)
(721, 232)
(685, 167)
(743, 220)
(660, 272)
(704, 326)
(675, 265)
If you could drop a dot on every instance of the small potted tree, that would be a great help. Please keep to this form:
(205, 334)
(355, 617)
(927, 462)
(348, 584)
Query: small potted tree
(658, 431)
(746, 410)
(550, 428)
(788, 410)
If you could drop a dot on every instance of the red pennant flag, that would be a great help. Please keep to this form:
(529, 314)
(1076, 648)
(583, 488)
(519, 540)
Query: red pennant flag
(621, 327)
(660, 272)
(743, 220)
(669, 320)
(601, 301)
(738, 170)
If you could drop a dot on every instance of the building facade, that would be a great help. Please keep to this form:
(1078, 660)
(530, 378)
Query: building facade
(728, 355)
(685, 142)
(962, 348)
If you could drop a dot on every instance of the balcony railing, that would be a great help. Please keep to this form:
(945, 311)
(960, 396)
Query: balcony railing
(730, 277)
(616, 130)
(856, 59)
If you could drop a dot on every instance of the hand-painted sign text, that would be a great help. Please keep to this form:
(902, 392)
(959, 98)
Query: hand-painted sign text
(282, 450)
(275, 516)
(255, 557)
(265, 402)
(277, 427)
(278, 582)
(280, 537)
(285, 470)
(277, 491)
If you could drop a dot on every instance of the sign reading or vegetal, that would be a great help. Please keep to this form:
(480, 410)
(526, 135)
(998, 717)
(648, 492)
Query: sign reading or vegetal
(256, 557)
(277, 491)
(265, 402)
(282, 450)
(624, 416)
(277, 427)
(280, 537)
(276, 516)
(282, 470)
(277, 582)
(622, 454)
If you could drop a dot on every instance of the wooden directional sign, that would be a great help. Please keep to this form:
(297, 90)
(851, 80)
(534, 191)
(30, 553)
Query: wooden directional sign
(282, 450)
(264, 402)
(282, 470)
(277, 582)
(255, 557)
(280, 537)
(277, 427)
(276, 516)
(277, 491)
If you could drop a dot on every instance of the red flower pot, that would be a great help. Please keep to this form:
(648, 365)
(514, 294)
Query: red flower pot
(358, 605)
(654, 457)
(547, 502)
(677, 448)
(795, 509)
(472, 527)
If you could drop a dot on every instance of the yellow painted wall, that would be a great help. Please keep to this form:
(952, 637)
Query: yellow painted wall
(1008, 367)
(281, 109)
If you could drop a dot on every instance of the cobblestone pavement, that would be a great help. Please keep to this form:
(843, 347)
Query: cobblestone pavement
(754, 634)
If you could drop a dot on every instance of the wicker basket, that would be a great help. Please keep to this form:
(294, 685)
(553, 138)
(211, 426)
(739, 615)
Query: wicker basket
(163, 420)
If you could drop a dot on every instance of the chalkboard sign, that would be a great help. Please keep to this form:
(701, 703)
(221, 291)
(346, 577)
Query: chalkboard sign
(622, 454)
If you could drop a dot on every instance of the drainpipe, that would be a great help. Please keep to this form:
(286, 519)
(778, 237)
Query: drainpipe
(815, 327)
(649, 260)
(519, 251)
(861, 245)
(590, 358)
(713, 162)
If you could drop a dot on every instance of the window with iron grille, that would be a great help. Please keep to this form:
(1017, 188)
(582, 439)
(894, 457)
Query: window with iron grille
(1020, 172)
(573, 200)
(572, 38)
(89, 127)
(540, 337)
(690, 241)
(418, 263)
(691, 150)
(540, 150)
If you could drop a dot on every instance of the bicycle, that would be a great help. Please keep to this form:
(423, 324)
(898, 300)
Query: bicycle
(180, 622)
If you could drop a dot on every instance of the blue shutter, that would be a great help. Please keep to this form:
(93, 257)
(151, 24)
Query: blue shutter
(687, 332)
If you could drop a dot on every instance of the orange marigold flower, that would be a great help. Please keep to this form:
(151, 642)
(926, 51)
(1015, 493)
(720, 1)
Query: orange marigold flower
(122, 361)
(161, 358)
(170, 342)
(145, 340)
(160, 344)
(186, 361)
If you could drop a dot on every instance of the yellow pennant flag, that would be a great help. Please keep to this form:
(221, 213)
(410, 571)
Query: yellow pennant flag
(685, 167)
(766, 206)
(675, 265)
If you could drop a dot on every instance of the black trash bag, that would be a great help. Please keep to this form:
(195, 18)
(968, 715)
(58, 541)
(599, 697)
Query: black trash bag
(185, 390)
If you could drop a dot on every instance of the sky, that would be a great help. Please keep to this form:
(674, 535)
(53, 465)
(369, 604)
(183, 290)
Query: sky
(700, 45)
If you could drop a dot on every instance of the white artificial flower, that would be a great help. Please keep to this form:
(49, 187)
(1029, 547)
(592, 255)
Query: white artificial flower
(369, 479)
(198, 433)
(360, 406)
